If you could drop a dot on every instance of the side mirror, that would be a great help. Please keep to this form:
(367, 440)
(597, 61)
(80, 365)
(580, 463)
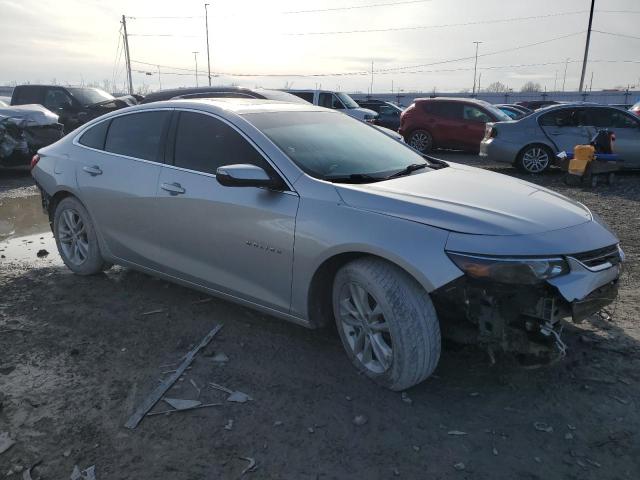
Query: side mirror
(244, 175)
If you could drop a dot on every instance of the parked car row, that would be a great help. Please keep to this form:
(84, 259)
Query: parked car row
(390, 245)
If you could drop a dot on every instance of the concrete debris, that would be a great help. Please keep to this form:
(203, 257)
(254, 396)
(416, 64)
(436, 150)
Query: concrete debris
(456, 433)
(310, 430)
(571, 427)
(87, 474)
(406, 399)
(459, 466)
(220, 358)
(6, 442)
(360, 420)
(495, 451)
(153, 312)
(251, 467)
(180, 404)
(234, 396)
(416, 448)
(229, 425)
(277, 423)
(568, 436)
(543, 427)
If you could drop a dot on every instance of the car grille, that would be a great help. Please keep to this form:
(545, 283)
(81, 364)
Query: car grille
(594, 258)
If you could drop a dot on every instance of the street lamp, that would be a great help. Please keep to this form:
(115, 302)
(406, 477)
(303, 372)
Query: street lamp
(195, 57)
(475, 68)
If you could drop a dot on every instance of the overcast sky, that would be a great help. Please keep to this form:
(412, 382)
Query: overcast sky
(76, 41)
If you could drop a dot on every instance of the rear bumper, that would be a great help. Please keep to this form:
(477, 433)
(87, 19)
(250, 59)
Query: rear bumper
(496, 150)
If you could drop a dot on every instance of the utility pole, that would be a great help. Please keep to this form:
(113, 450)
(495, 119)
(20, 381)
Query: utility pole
(564, 80)
(555, 82)
(159, 79)
(475, 68)
(371, 91)
(591, 82)
(206, 24)
(586, 46)
(195, 56)
(127, 55)
(479, 81)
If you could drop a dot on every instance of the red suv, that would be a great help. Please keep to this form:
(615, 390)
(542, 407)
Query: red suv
(457, 123)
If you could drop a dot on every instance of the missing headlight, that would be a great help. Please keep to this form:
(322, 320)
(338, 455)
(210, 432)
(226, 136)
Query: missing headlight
(523, 271)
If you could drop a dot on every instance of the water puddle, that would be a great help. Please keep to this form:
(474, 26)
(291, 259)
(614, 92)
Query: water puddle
(24, 231)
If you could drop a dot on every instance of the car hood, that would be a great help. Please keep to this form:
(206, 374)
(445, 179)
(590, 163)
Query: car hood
(468, 200)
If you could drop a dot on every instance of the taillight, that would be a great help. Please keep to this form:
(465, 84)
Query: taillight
(34, 161)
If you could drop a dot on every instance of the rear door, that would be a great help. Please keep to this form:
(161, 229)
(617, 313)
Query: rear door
(626, 129)
(472, 129)
(238, 241)
(565, 127)
(117, 171)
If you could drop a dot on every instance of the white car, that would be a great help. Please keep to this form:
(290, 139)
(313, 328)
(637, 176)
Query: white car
(336, 101)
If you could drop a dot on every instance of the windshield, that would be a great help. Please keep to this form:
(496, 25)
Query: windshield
(347, 100)
(499, 114)
(89, 96)
(335, 147)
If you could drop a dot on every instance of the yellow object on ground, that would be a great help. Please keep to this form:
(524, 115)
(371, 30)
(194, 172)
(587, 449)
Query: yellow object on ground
(582, 155)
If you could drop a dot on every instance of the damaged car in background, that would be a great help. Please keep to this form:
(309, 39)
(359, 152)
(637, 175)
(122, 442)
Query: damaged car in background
(23, 130)
(313, 216)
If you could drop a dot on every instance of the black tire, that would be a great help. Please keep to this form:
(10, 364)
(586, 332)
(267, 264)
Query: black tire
(91, 261)
(407, 311)
(524, 163)
(420, 140)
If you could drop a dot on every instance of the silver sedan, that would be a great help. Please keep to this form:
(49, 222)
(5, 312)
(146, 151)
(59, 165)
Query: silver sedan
(312, 216)
(532, 143)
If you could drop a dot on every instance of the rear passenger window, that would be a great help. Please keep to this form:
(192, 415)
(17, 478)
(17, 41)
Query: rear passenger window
(450, 110)
(137, 135)
(569, 117)
(204, 143)
(95, 136)
(308, 96)
(27, 95)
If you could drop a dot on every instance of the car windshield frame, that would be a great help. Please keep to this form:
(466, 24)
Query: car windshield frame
(348, 102)
(335, 147)
(81, 94)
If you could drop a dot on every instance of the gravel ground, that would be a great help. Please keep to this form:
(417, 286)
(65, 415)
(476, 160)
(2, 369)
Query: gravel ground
(77, 355)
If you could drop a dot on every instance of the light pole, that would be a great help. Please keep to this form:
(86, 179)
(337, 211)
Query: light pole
(586, 46)
(206, 24)
(475, 68)
(564, 80)
(195, 57)
(159, 79)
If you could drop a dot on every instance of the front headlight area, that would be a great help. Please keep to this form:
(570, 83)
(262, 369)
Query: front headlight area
(509, 270)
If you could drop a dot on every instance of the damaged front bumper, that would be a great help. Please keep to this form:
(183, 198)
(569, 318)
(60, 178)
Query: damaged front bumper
(528, 319)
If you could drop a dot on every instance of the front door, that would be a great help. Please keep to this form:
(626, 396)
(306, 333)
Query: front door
(118, 175)
(236, 240)
(474, 121)
(566, 128)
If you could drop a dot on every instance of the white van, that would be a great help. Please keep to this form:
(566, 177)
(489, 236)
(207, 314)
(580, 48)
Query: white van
(337, 101)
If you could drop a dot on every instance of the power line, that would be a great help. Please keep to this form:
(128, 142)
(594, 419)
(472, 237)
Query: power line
(161, 35)
(616, 34)
(446, 25)
(355, 7)
(162, 18)
(617, 11)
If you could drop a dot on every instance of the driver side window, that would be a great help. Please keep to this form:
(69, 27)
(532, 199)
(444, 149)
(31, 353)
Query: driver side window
(329, 100)
(55, 99)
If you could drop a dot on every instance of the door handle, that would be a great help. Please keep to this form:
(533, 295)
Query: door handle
(93, 170)
(173, 188)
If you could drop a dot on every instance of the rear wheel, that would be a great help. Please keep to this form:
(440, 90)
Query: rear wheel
(387, 323)
(534, 159)
(76, 238)
(421, 140)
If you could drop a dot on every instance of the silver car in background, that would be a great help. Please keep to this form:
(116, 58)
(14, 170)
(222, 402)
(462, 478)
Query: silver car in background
(312, 216)
(532, 143)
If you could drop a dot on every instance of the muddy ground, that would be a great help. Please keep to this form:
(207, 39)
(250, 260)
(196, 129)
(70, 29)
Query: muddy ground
(77, 355)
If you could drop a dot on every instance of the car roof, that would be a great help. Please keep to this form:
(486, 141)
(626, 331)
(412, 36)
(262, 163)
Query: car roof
(452, 99)
(239, 106)
(168, 94)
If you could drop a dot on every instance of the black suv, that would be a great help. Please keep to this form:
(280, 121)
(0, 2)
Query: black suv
(74, 105)
(388, 113)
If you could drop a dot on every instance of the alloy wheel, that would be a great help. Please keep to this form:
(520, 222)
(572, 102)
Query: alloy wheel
(72, 235)
(365, 328)
(421, 141)
(535, 160)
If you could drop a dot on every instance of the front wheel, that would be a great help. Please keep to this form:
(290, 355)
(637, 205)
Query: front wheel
(421, 140)
(387, 323)
(76, 238)
(534, 159)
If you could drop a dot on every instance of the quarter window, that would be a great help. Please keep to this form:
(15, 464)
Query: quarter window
(610, 118)
(95, 136)
(204, 143)
(138, 135)
(474, 114)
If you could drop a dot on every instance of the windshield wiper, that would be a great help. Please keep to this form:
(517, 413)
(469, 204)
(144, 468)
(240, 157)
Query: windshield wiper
(353, 178)
(406, 171)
